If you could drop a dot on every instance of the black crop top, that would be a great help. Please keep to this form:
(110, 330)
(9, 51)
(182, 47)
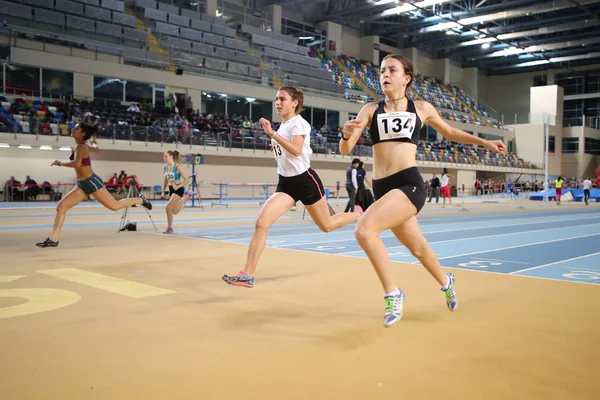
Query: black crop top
(402, 126)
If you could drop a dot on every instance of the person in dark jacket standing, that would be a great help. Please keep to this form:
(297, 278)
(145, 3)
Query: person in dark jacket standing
(351, 185)
(435, 189)
(364, 197)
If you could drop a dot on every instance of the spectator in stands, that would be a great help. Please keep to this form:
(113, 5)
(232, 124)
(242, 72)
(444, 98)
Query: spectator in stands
(435, 189)
(12, 190)
(31, 189)
(170, 103)
(122, 191)
(397, 184)
(189, 108)
(113, 184)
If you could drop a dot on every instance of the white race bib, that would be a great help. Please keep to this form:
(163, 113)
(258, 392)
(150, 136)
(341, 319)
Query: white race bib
(169, 175)
(396, 125)
(278, 151)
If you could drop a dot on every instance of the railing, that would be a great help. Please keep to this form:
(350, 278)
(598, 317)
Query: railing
(226, 139)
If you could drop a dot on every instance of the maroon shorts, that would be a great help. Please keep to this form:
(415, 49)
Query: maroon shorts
(558, 192)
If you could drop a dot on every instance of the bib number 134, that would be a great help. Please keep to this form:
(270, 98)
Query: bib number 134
(395, 125)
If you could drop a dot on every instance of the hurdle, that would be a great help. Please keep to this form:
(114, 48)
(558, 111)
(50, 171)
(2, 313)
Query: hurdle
(223, 199)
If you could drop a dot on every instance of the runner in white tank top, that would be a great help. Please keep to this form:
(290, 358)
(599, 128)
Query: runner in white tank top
(445, 188)
(297, 181)
(587, 185)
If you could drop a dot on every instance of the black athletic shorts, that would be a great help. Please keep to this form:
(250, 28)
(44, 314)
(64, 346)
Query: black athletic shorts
(306, 187)
(408, 180)
(179, 192)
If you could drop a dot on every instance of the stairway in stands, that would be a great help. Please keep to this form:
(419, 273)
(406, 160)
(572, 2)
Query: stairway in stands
(153, 43)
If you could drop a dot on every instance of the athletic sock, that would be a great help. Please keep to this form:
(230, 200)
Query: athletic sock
(396, 292)
(447, 285)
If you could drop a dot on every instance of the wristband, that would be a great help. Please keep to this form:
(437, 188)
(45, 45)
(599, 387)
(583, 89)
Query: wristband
(344, 138)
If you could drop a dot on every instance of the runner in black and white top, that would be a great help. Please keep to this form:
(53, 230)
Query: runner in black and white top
(398, 186)
(297, 181)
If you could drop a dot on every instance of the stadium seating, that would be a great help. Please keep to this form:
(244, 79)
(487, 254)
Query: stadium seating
(453, 103)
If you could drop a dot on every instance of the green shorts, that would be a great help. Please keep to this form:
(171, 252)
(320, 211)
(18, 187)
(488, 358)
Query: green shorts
(91, 184)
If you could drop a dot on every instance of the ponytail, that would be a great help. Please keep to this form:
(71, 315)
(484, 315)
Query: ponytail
(175, 154)
(88, 130)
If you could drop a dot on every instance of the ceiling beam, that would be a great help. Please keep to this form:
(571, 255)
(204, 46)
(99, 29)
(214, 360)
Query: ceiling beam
(503, 15)
(584, 9)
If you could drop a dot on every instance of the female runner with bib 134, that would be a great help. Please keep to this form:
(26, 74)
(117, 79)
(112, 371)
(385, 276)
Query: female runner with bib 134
(398, 187)
(297, 181)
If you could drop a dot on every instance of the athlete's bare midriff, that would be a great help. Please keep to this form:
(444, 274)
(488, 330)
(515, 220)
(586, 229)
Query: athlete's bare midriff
(392, 157)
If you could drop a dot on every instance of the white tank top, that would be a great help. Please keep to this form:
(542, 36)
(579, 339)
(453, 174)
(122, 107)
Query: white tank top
(587, 184)
(287, 164)
(445, 180)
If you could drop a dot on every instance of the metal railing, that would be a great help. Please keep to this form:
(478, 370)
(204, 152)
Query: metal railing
(226, 139)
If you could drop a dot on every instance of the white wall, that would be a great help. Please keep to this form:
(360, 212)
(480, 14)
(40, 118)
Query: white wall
(425, 64)
(456, 74)
(392, 50)
(580, 165)
(466, 178)
(546, 104)
(441, 69)
(148, 166)
(530, 145)
(367, 49)
(508, 95)
(350, 42)
(469, 81)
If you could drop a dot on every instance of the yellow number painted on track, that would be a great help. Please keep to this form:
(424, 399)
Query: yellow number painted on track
(45, 299)
(110, 284)
(38, 300)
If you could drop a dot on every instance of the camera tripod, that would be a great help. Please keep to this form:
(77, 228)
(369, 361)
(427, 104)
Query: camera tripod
(125, 224)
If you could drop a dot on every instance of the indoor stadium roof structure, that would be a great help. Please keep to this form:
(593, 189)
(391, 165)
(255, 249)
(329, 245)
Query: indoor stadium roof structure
(496, 36)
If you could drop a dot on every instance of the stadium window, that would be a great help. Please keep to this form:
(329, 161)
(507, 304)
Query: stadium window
(551, 144)
(570, 145)
(138, 92)
(319, 117)
(213, 103)
(572, 84)
(593, 82)
(540, 80)
(239, 106)
(262, 109)
(109, 88)
(57, 84)
(431, 134)
(307, 114)
(22, 80)
(333, 119)
(592, 146)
